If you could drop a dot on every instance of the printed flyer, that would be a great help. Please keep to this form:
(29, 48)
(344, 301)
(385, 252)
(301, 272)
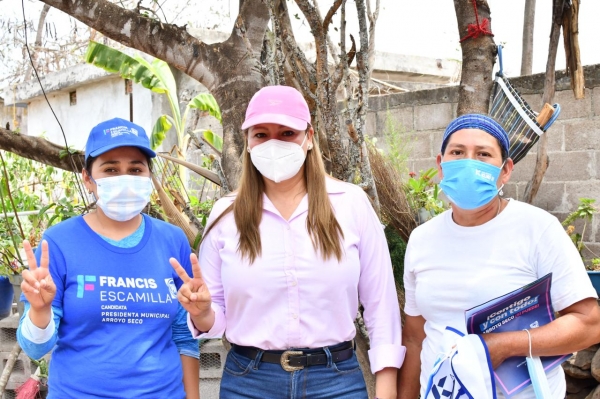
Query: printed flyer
(525, 308)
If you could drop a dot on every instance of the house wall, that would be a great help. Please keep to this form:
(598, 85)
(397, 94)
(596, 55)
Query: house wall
(96, 102)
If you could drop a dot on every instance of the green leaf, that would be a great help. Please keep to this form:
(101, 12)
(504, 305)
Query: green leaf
(197, 241)
(206, 102)
(159, 131)
(213, 139)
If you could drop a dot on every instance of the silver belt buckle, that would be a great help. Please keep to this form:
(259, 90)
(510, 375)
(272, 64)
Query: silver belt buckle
(285, 361)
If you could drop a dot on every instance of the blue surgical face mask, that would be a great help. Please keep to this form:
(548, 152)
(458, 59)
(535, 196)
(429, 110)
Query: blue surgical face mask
(468, 183)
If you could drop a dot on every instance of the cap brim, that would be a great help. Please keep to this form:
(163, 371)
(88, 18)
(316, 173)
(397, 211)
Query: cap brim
(102, 150)
(284, 120)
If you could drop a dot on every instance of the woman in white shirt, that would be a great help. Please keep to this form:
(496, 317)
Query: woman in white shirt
(485, 247)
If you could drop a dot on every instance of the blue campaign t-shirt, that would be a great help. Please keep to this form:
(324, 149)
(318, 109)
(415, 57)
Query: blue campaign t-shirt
(115, 336)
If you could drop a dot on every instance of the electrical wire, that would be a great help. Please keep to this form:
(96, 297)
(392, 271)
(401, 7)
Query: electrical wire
(73, 164)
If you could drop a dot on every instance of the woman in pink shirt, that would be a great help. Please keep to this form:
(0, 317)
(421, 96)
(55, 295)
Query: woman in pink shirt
(285, 260)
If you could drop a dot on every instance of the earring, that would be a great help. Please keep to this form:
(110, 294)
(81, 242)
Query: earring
(310, 146)
(248, 149)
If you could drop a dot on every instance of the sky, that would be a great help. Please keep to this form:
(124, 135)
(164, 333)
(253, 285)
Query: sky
(423, 28)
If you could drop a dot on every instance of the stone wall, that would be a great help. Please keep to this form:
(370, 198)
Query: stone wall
(573, 144)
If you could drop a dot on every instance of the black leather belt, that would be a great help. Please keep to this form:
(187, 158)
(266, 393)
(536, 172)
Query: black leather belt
(293, 360)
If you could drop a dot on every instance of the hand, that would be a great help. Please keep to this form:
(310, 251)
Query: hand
(37, 285)
(193, 294)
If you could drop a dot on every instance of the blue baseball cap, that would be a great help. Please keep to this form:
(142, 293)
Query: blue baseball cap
(115, 133)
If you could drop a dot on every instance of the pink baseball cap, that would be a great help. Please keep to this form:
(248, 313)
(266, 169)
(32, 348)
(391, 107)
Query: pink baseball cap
(282, 105)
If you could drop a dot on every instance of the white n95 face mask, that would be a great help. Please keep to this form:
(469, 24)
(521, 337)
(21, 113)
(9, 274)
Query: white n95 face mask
(122, 198)
(278, 160)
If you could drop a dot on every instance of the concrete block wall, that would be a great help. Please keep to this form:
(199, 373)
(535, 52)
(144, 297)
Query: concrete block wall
(573, 141)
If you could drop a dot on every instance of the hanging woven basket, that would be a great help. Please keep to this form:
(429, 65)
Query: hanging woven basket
(523, 125)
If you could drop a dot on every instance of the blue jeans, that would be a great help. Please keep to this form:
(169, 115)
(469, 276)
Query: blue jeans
(252, 379)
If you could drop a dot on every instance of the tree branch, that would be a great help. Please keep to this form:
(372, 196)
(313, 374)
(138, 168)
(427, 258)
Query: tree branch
(542, 160)
(167, 42)
(330, 13)
(41, 150)
(38, 42)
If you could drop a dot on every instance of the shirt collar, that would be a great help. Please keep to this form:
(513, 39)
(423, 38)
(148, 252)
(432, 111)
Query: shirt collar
(333, 186)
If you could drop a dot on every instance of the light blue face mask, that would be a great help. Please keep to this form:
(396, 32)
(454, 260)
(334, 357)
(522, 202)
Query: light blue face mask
(539, 381)
(468, 183)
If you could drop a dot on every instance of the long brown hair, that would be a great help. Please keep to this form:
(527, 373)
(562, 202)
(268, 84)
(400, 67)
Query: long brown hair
(325, 232)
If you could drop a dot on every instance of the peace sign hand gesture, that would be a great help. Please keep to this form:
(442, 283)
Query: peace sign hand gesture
(193, 294)
(37, 285)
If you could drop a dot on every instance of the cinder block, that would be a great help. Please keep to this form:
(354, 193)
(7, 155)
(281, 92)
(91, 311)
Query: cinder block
(556, 138)
(582, 189)
(523, 170)
(534, 101)
(419, 145)
(510, 190)
(551, 197)
(571, 166)
(22, 369)
(434, 116)
(596, 101)
(572, 108)
(582, 135)
(371, 123)
(591, 250)
(212, 359)
(400, 119)
(436, 141)
(8, 332)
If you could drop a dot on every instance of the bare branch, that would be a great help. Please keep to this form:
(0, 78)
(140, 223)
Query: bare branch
(372, 23)
(330, 13)
(38, 42)
(169, 42)
(542, 160)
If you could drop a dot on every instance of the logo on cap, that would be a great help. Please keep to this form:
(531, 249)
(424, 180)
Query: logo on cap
(120, 130)
(274, 102)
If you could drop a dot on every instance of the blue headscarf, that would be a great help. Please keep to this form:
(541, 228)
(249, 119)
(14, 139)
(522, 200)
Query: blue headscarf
(481, 122)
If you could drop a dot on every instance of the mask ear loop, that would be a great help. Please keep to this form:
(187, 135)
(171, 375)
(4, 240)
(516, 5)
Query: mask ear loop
(529, 336)
(500, 192)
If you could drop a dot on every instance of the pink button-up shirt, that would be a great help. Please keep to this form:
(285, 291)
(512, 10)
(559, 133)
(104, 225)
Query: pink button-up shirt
(290, 297)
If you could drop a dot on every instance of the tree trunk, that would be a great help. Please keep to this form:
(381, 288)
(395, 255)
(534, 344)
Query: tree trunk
(528, 24)
(478, 55)
(41, 150)
(542, 160)
(572, 52)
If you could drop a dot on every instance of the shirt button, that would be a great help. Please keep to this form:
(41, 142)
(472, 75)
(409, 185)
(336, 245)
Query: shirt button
(294, 283)
(287, 227)
(294, 315)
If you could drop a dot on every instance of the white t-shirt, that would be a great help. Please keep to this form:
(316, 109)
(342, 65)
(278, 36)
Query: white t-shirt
(450, 268)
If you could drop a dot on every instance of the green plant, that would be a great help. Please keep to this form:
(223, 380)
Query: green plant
(157, 76)
(33, 196)
(398, 142)
(585, 212)
(423, 192)
(397, 248)
(201, 208)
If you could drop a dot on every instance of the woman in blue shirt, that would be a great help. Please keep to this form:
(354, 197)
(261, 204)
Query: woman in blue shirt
(101, 291)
